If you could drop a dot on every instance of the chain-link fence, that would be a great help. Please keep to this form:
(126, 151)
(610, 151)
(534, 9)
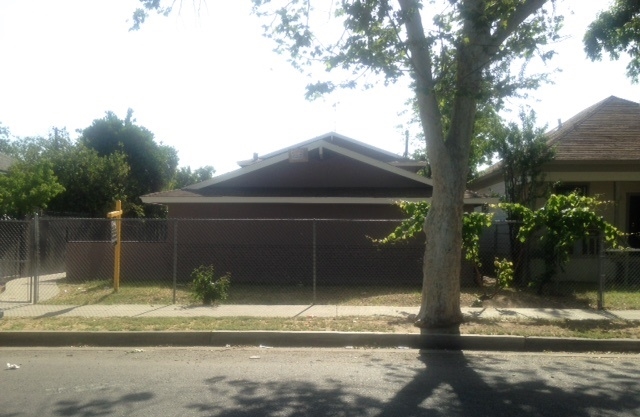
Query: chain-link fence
(69, 261)
(592, 272)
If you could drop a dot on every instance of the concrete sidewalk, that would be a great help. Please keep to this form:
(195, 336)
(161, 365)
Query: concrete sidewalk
(347, 340)
(292, 311)
(14, 302)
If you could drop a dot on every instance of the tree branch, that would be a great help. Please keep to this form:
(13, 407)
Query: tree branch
(422, 65)
(509, 24)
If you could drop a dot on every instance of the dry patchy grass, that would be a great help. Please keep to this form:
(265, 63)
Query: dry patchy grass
(574, 296)
(544, 328)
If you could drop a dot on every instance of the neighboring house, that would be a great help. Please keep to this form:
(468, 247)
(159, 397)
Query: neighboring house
(597, 152)
(304, 208)
(5, 162)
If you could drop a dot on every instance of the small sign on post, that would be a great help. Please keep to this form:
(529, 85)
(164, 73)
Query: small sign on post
(114, 232)
(115, 239)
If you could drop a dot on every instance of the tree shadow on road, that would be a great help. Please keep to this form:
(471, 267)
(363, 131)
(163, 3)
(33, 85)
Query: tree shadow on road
(442, 384)
(104, 406)
(456, 384)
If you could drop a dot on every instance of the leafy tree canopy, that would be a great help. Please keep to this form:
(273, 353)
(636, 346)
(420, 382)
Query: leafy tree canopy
(91, 183)
(522, 150)
(152, 165)
(185, 176)
(616, 31)
(27, 188)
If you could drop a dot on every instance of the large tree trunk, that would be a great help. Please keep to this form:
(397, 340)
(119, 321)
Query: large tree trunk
(443, 225)
(449, 153)
(442, 258)
(448, 156)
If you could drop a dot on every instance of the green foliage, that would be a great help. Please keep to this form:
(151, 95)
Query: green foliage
(27, 188)
(522, 151)
(504, 272)
(208, 288)
(558, 225)
(472, 226)
(473, 223)
(152, 165)
(184, 176)
(141, 14)
(373, 40)
(412, 225)
(616, 31)
(91, 182)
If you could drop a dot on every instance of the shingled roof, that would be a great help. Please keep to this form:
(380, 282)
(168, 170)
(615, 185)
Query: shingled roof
(607, 131)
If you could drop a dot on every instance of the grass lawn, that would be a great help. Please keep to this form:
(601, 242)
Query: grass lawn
(567, 296)
(597, 329)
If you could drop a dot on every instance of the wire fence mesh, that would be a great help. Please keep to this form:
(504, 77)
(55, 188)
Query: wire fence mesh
(53, 262)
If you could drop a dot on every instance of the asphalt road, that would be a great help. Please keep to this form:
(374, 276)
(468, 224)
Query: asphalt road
(250, 381)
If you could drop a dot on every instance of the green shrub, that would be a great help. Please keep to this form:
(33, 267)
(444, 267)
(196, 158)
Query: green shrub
(206, 287)
(504, 271)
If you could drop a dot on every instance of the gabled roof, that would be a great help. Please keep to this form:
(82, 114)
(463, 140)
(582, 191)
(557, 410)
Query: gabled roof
(320, 144)
(606, 132)
(346, 143)
(336, 168)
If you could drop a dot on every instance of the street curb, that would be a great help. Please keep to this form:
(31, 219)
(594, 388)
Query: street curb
(314, 339)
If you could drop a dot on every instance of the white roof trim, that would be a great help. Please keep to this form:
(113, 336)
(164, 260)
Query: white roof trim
(300, 200)
(329, 136)
(312, 146)
(374, 162)
(280, 200)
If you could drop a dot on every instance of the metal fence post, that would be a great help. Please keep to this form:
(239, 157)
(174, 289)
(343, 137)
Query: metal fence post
(36, 274)
(175, 258)
(602, 274)
(314, 261)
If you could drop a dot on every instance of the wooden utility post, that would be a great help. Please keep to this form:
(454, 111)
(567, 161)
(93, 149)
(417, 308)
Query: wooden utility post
(115, 240)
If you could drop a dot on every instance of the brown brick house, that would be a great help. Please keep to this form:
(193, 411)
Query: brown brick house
(303, 203)
(330, 176)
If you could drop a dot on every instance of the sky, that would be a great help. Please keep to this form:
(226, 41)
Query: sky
(209, 84)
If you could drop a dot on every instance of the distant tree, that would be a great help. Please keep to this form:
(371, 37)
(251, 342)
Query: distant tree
(5, 146)
(522, 151)
(152, 165)
(184, 176)
(27, 188)
(91, 183)
(616, 31)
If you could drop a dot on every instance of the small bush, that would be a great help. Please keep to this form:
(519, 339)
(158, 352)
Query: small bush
(505, 272)
(206, 287)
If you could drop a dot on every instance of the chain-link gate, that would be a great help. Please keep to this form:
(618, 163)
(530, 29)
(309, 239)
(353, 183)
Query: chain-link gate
(17, 283)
